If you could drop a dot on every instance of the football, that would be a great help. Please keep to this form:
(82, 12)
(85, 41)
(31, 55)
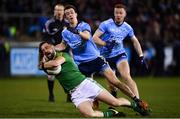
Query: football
(54, 71)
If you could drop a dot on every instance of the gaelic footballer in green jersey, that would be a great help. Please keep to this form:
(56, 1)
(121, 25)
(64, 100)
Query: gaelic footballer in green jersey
(83, 90)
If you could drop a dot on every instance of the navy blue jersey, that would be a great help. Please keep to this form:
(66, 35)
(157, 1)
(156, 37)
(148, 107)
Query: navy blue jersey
(52, 31)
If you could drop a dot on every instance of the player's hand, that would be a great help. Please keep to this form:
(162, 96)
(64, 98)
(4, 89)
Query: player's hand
(73, 30)
(110, 44)
(143, 62)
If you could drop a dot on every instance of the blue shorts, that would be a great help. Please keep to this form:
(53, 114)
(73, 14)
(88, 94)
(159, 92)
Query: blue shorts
(113, 61)
(95, 66)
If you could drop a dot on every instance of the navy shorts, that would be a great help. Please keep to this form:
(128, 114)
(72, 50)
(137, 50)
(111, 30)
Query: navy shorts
(95, 66)
(113, 61)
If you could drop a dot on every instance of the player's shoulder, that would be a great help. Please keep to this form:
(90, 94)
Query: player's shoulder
(51, 20)
(126, 25)
(108, 21)
(64, 31)
(83, 23)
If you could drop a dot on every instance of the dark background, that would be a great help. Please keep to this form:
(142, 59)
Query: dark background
(156, 24)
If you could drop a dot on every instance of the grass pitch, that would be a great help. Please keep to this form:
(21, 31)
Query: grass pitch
(28, 97)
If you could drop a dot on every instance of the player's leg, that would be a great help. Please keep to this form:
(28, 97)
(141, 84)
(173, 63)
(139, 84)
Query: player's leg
(113, 90)
(124, 70)
(85, 108)
(85, 94)
(140, 106)
(88, 70)
(111, 77)
(112, 63)
(50, 83)
(106, 97)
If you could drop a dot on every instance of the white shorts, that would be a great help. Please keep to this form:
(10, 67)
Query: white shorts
(88, 90)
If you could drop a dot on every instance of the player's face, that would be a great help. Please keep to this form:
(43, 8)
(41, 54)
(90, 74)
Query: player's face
(119, 14)
(59, 12)
(47, 49)
(71, 15)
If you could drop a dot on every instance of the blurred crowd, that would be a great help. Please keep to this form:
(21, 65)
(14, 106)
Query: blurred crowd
(156, 24)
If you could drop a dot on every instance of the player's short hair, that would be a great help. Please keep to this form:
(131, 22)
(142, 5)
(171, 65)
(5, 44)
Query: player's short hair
(69, 7)
(59, 4)
(40, 45)
(40, 51)
(120, 6)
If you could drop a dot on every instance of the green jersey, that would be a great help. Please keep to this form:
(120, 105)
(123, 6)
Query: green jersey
(70, 76)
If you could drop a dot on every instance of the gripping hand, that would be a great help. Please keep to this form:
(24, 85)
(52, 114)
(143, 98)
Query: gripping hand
(143, 62)
(73, 30)
(110, 44)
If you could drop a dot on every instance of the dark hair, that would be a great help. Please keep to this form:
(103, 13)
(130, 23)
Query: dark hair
(40, 51)
(41, 45)
(69, 7)
(120, 6)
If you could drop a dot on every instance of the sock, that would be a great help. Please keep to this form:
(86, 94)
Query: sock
(136, 99)
(133, 105)
(109, 113)
(50, 87)
(114, 93)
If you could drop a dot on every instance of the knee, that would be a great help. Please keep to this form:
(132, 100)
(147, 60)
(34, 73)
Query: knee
(126, 76)
(115, 83)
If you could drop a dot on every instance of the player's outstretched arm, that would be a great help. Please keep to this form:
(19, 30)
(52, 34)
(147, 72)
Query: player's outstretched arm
(137, 46)
(139, 51)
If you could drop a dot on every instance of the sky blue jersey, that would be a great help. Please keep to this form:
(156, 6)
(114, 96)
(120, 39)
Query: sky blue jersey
(83, 50)
(111, 31)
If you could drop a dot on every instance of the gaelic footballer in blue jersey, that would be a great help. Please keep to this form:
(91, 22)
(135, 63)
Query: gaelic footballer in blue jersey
(85, 53)
(109, 36)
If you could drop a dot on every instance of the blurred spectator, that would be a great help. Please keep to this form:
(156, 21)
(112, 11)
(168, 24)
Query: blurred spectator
(4, 58)
(153, 35)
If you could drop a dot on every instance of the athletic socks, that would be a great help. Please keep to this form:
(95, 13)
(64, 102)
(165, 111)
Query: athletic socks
(110, 113)
(114, 93)
(50, 88)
